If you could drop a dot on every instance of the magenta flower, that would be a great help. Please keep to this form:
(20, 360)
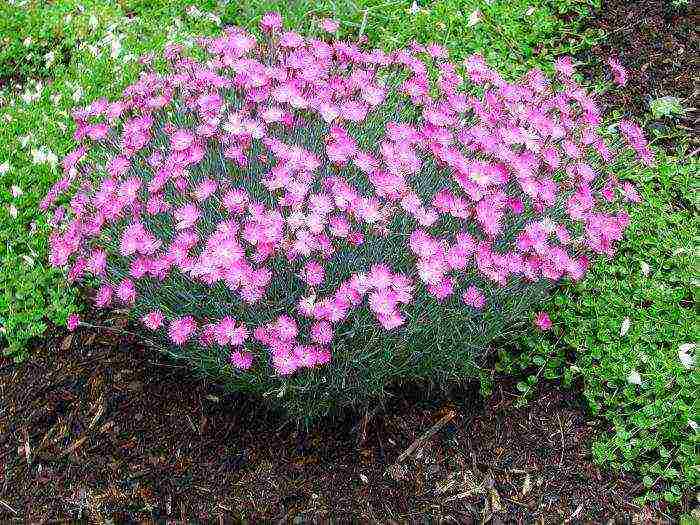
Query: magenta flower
(313, 273)
(271, 22)
(542, 321)
(153, 320)
(329, 25)
(474, 298)
(181, 330)
(618, 71)
(72, 322)
(321, 180)
(242, 360)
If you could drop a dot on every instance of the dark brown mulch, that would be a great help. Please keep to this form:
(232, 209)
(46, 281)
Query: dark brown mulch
(659, 45)
(103, 429)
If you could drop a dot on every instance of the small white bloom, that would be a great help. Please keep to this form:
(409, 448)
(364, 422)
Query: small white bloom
(94, 22)
(49, 58)
(77, 94)
(38, 156)
(692, 424)
(684, 355)
(16, 191)
(364, 478)
(12, 209)
(529, 11)
(27, 41)
(4, 167)
(193, 11)
(25, 139)
(474, 18)
(625, 327)
(634, 378)
(414, 9)
(645, 269)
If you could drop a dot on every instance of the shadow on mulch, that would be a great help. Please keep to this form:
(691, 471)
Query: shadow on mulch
(105, 429)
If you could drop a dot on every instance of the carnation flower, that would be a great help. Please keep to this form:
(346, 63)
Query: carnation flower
(153, 320)
(542, 321)
(181, 329)
(474, 298)
(72, 322)
(297, 195)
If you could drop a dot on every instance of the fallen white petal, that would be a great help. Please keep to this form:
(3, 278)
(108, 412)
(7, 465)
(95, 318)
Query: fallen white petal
(625, 327)
(634, 378)
(645, 269)
(474, 18)
(686, 359)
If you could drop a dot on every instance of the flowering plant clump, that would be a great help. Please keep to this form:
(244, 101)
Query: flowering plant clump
(306, 218)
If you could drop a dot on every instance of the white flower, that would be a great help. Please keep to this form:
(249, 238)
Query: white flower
(634, 378)
(645, 269)
(414, 9)
(16, 191)
(474, 18)
(4, 167)
(684, 355)
(625, 327)
(12, 209)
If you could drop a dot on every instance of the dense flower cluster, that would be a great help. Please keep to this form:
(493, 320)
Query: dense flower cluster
(255, 202)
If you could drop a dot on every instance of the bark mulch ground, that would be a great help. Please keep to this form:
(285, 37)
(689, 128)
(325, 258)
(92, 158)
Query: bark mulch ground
(103, 429)
(659, 45)
(99, 428)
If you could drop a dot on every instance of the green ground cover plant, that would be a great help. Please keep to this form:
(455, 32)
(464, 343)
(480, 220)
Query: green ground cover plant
(636, 382)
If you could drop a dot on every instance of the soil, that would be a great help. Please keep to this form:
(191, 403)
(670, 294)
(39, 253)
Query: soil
(96, 427)
(659, 45)
(99, 428)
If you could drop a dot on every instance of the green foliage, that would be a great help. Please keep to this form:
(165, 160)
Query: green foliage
(666, 107)
(654, 285)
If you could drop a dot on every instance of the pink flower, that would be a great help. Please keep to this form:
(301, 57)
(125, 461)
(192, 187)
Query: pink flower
(126, 291)
(322, 332)
(72, 322)
(271, 22)
(474, 298)
(186, 216)
(443, 289)
(103, 296)
(542, 321)
(291, 39)
(181, 140)
(329, 25)
(313, 273)
(286, 328)
(153, 320)
(240, 359)
(618, 71)
(181, 329)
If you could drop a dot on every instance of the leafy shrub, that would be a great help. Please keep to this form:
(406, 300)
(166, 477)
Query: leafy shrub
(641, 381)
(312, 221)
